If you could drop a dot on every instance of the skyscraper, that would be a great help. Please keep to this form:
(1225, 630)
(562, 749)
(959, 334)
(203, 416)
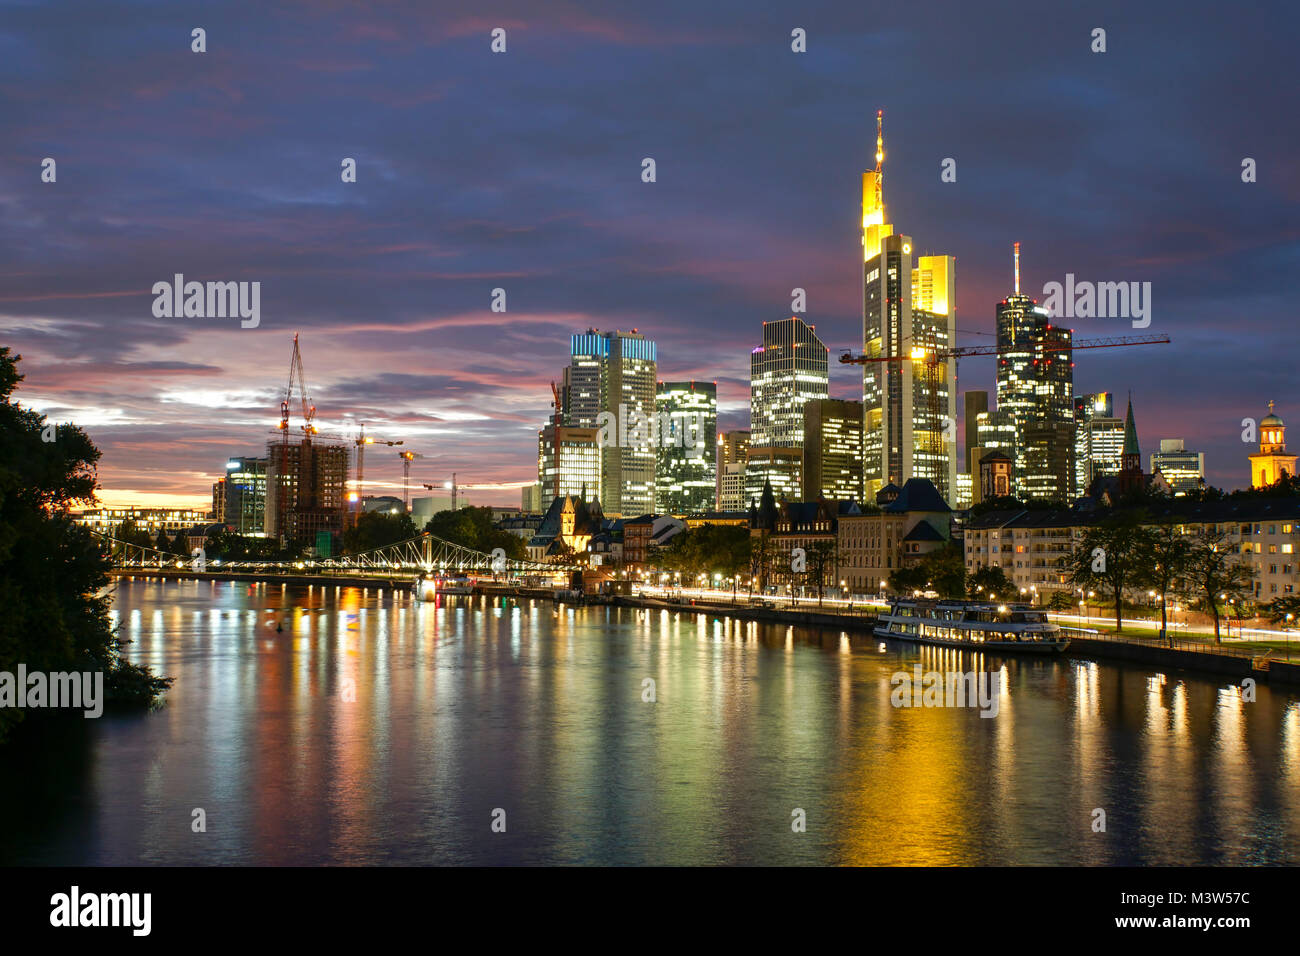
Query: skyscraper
(245, 489)
(733, 449)
(908, 312)
(1098, 441)
(610, 380)
(568, 463)
(1035, 386)
(786, 372)
(686, 477)
(1183, 469)
(832, 450)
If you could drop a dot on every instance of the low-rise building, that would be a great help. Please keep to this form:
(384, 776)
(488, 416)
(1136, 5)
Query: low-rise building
(1030, 545)
(907, 524)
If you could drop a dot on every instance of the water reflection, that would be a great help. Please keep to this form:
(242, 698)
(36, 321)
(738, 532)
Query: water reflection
(345, 725)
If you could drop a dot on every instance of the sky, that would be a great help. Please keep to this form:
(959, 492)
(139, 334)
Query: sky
(522, 171)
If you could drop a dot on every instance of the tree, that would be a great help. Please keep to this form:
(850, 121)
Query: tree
(1110, 556)
(709, 549)
(989, 580)
(943, 571)
(823, 556)
(473, 528)
(760, 559)
(1283, 610)
(50, 568)
(1163, 563)
(1215, 575)
(946, 570)
(1061, 601)
(377, 529)
(908, 579)
(131, 533)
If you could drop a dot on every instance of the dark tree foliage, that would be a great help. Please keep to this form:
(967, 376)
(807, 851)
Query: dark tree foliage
(942, 571)
(50, 569)
(990, 580)
(375, 529)
(473, 528)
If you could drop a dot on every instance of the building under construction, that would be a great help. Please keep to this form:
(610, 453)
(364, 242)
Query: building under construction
(309, 482)
(306, 478)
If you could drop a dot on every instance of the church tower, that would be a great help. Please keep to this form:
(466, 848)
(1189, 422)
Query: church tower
(1130, 461)
(1272, 462)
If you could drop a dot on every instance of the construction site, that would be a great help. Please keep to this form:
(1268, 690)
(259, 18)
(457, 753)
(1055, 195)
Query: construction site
(311, 493)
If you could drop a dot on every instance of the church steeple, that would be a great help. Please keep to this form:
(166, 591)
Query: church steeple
(1130, 459)
(1272, 463)
(1131, 439)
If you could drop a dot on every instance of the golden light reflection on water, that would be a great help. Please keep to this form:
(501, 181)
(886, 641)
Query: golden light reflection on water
(468, 704)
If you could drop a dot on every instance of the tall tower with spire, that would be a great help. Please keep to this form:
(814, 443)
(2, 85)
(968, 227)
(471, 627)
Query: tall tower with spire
(1272, 463)
(908, 310)
(1035, 388)
(1130, 468)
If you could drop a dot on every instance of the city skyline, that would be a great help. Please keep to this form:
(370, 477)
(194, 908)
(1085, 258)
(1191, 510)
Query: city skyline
(390, 279)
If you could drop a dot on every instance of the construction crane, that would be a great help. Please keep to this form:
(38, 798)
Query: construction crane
(361, 441)
(407, 457)
(932, 358)
(307, 427)
(455, 486)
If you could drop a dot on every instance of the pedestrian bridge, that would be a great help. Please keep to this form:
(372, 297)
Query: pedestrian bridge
(424, 553)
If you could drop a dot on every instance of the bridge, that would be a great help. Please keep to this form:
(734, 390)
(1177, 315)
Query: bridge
(425, 553)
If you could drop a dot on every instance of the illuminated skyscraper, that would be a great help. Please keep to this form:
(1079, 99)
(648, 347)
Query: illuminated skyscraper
(686, 477)
(1183, 469)
(1035, 386)
(568, 463)
(785, 373)
(245, 488)
(908, 311)
(1098, 439)
(832, 450)
(611, 380)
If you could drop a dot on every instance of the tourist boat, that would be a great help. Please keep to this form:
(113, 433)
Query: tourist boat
(976, 624)
(428, 587)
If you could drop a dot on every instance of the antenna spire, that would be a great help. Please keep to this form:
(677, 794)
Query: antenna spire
(880, 158)
(1017, 268)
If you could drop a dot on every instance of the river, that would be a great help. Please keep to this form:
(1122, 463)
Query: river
(375, 730)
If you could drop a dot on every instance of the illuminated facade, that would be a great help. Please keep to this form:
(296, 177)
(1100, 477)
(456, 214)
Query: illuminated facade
(686, 479)
(908, 312)
(1098, 439)
(782, 467)
(615, 373)
(733, 449)
(786, 372)
(1184, 470)
(152, 520)
(1272, 462)
(1035, 389)
(832, 450)
(994, 431)
(568, 463)
(245, 490)
(789, 370)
